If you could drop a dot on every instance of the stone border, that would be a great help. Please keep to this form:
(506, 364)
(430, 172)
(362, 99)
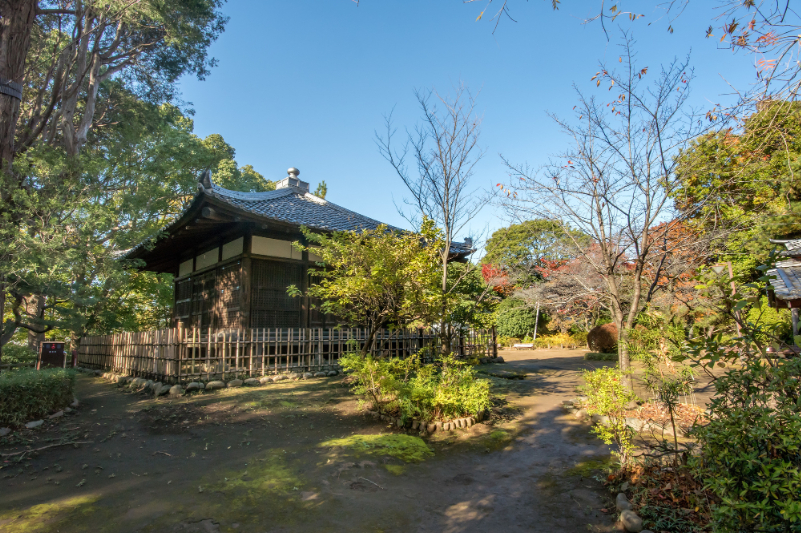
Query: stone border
(429, 428)
(157, 389)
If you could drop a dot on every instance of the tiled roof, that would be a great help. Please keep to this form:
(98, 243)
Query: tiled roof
(793, 247)
(786, 277)
(786, 280)
(296, 206)
(289, 205)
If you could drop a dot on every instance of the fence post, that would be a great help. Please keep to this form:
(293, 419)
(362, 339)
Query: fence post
(494, 342)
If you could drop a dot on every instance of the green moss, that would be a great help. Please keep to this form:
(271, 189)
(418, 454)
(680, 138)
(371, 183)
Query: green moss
(270, 475)
(497, 440)
(267, 487)
(404, 447)
(589, 467)
(47, 516)
(395, 469)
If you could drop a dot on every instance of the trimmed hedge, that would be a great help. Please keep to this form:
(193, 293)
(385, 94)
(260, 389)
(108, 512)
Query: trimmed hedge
(33, 394)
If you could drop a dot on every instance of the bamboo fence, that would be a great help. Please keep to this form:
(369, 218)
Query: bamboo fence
(187, 354)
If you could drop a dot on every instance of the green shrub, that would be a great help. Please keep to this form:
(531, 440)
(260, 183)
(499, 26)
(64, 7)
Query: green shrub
(607, 395)
(751, 449)
(579, 338)
(412, 390)
(31, 394)
(18, 353)
(516, 322)
(557, 340)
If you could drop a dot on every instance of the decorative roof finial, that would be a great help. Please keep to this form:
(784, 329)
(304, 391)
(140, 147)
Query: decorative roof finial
(205, 180)
(293, 172)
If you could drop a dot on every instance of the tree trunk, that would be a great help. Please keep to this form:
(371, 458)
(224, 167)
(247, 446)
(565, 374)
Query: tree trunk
(35, 308)
(16, 23)
(624, 361)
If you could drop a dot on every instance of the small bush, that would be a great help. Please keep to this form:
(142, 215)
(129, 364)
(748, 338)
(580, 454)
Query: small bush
(31, 394)
(603, 338)
(751, 449)
(607, 395)
(412, 390)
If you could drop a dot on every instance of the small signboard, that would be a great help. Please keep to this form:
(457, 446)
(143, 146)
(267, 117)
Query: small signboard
(51, 353)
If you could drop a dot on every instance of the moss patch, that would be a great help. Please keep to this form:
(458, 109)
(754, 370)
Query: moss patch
(270, 475)
(47, 516)
(395, 469)
(589, 467)
(268, 487)
(497, 440)
(407, 448)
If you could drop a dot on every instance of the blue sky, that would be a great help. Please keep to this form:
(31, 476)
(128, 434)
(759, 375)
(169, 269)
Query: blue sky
(306, 83)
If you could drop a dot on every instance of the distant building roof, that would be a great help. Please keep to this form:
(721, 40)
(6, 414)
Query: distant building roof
(786, 277)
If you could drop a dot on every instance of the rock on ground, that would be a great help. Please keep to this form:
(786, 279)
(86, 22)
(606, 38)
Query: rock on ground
(56, 415)
(211, 385)
(320, 374)
(195, 385)
(332, 373)
(235, 383)
(631, 521)
(4, 431)
(34, 424)
(176, 390)
(307, 375)
(252, 382)
(622, 503)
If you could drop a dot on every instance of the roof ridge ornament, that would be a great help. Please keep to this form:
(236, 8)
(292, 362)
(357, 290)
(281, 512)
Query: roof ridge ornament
(205, 183)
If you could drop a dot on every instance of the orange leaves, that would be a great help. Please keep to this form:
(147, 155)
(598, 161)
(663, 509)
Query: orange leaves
(642, 73)
(766, 64)
(769, 39)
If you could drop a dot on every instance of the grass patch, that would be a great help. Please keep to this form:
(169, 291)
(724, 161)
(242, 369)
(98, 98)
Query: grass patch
(589, 467)
(33, 394)
(597, 356)
(407, 448)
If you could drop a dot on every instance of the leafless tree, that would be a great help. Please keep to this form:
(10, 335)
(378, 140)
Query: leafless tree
(444, 150)
(615, 183)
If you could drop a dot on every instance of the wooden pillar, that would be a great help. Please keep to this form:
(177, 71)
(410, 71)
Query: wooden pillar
(794, 312)
(305, 310)
(495, 342)
(245, 293)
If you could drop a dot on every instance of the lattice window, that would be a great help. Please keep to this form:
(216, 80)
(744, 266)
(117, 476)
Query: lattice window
(203, 299)
(271, 307)
(183, 299)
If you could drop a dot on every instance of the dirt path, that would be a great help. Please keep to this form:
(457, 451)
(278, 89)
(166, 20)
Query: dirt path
(253, 460)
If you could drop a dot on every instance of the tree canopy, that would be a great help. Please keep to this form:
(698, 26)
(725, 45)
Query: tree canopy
(520, 249)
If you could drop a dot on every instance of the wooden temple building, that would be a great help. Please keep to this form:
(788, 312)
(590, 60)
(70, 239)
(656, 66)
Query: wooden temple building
(232, 256)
